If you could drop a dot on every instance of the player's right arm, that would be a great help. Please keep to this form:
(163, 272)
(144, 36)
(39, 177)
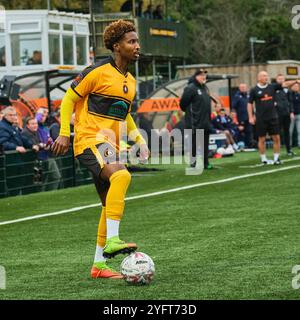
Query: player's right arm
(136, 136)
(250, 109)
(81, 86)
(62, 143)
(251, 113)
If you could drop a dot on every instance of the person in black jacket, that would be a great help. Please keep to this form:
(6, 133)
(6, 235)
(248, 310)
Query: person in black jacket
(158, 12)
(295, 98)
(285, 111)
(239, 103)
(10, 135)
(196, 103)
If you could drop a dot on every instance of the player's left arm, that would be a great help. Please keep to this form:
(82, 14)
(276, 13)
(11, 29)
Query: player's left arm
(135, 135)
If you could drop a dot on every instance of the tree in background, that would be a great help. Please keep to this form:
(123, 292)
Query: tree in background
(76, 5)
(219, 30)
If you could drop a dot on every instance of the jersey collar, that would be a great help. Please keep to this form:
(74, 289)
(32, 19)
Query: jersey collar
(112, 62)
(262, 87)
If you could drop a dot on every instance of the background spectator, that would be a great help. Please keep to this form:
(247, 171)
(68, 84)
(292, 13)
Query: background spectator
(295, 99)
(239, 103)
(238, 127)
(10, 135)
(139, 8)
(158, 12)
(224, 123)
(148, 14)
(175, 117)
(55, 127)
(43, 132)
(217, 110)
(196, 103)
(2, 57)
(53, 176)
(36, 58)
(285, 111)
(126, 6)
(30, 131)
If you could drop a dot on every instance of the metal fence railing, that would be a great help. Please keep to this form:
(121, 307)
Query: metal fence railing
(24, 173)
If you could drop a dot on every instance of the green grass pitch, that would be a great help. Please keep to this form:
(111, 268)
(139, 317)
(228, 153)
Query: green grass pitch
(235, 240)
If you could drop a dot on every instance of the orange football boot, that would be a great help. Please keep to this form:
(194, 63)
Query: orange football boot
(101, 270)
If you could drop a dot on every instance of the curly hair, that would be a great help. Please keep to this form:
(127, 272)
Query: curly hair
(115, 31)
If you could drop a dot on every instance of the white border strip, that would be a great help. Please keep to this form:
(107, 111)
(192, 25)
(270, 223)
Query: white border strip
(153, 194)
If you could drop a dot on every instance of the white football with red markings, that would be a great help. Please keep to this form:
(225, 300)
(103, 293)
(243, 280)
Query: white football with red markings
(138, 268)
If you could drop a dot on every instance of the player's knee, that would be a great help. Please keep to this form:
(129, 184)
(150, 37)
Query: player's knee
(119, 182)
(127, 176)
(121, 176)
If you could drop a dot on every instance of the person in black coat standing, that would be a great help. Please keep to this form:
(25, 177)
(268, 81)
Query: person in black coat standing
(196, 103)
(285, 111)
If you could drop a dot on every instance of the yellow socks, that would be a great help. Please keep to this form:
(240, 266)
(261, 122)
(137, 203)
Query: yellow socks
(113, 211)
(101, 236)
(115, 200)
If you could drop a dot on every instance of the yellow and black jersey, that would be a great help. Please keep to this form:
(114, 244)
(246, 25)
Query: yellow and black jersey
(106, 95)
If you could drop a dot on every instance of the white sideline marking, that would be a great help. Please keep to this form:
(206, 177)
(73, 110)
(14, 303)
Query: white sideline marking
(262, 165)
(153, 194)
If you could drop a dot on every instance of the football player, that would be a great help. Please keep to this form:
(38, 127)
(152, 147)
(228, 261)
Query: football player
(101, 97)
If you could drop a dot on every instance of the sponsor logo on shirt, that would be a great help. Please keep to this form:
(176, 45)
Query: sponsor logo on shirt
(266, 97)
(118, 109)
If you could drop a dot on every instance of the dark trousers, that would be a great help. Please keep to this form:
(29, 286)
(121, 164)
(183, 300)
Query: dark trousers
(195, 146)
(248, 134)
(284, 122)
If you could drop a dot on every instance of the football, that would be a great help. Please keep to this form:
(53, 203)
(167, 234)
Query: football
(138, 268)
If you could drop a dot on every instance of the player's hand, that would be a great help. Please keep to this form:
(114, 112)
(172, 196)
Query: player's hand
(144, 153)
(61, 145)
(292, 115)
(252, 120)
